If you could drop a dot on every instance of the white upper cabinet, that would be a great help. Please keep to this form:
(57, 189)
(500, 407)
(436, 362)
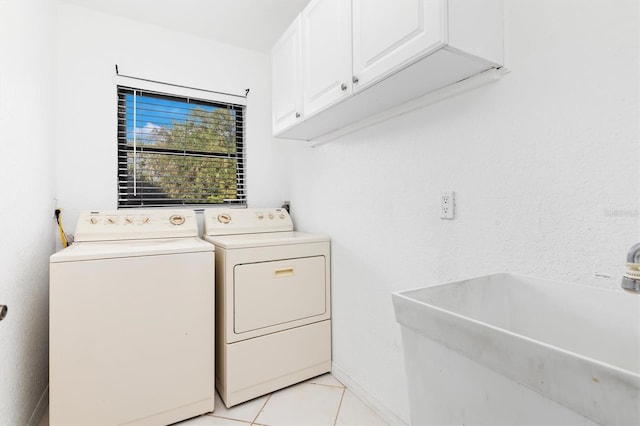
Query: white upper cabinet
(390, 34)
(326, 54)
(286, 78)
(359, 58)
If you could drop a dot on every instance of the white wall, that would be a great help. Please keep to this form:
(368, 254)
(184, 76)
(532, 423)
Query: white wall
(27, 123)
(90, 43)
(544, 164)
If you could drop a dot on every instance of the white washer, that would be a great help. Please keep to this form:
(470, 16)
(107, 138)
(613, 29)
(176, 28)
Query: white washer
(273, 302)
(132, 320)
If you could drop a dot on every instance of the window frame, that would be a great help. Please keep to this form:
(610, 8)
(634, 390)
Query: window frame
(124, 179)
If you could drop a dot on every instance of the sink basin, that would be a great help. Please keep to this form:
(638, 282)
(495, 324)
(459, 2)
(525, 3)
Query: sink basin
(509, 349)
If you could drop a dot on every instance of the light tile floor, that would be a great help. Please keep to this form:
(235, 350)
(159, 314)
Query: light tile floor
(322, 401)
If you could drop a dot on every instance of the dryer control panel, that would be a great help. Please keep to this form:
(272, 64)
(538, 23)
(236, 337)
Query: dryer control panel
(135, 224)
(246, 221)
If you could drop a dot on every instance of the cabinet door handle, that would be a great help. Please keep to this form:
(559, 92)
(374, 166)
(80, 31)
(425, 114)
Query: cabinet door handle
(354, 79)
(297, 115)
(3, 311)
(343, 87)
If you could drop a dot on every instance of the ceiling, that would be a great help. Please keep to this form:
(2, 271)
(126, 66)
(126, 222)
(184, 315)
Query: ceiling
(250, 24)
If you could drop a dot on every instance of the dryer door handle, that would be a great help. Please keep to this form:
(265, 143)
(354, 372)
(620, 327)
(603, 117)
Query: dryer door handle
(284, 272)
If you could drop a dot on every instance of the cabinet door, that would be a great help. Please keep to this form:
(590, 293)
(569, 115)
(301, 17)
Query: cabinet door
(326, 53)
(390, 34)
(286, 78)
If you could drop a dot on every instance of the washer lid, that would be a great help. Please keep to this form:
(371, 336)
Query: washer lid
(95, 250)
(264, 239)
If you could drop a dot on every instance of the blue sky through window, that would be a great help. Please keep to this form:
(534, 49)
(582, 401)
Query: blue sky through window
(154, 113)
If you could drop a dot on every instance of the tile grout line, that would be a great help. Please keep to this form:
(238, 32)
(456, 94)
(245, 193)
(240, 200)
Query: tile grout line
(261, 408)
(339, 406)
(228, 418)
(329, 386)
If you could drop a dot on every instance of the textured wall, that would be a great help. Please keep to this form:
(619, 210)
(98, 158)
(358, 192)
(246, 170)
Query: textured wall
(27, 127)
(90, 43)
(544, 164)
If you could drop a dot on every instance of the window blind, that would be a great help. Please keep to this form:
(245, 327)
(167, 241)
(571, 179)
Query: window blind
(176, 150)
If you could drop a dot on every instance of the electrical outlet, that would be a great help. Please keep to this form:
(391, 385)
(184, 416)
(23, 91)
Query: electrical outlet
(447, 205)
(54, 206)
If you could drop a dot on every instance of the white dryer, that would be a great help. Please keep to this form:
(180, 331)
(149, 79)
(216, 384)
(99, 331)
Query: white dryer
(132, 320)
(273, 302)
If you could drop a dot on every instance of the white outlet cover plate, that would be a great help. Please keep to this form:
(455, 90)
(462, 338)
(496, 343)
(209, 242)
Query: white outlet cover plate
(448, 205)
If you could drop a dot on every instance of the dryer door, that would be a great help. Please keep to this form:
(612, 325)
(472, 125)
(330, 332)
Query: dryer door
(273, 293)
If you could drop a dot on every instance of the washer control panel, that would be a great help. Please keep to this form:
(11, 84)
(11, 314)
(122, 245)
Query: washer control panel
(246, 221)
(135, 224)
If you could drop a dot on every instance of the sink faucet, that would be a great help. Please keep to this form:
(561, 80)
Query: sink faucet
(631, 278)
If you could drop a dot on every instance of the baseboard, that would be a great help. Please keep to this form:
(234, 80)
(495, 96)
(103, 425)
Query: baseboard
(373, 403)
(40, 409)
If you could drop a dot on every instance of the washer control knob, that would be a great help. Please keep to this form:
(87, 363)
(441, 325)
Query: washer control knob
(146, 220)
(176, 219)
(224, 218)
(271, 216)
(128, 220)
(111, 220)
(93, 220)
(260, 216)
(282, 216)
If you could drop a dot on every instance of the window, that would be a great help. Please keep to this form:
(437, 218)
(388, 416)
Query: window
(175, 150)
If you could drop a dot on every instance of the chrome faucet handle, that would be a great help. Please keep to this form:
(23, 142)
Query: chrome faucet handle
(631, 278)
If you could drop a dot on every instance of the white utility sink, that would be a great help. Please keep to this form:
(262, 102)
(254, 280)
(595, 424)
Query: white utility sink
(508, 349)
